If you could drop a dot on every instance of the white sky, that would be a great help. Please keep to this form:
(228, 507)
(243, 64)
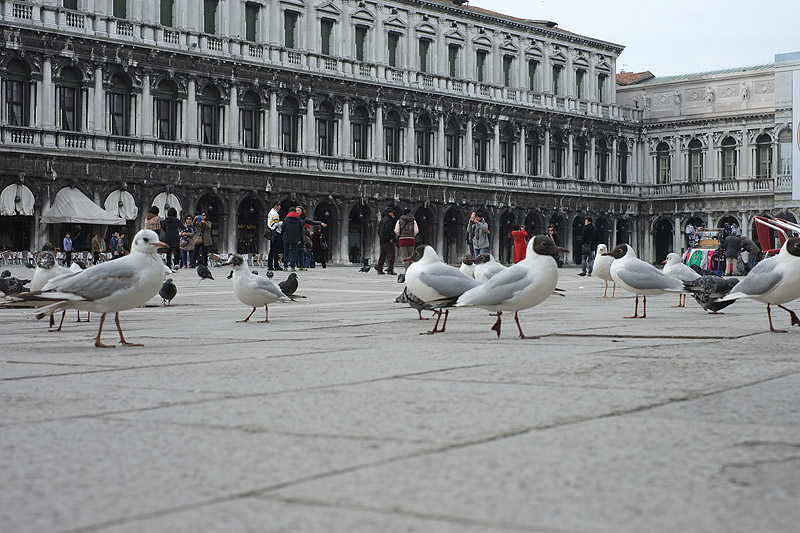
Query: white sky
(675, 37)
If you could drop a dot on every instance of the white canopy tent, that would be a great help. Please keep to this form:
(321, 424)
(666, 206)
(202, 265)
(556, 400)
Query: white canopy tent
(121, 203)
(164, 201)
(72, 206)
(16, 199)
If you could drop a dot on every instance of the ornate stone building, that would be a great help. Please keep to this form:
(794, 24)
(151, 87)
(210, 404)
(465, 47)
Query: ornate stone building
(347, 106)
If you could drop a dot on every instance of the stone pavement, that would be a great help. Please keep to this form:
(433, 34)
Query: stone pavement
(337, 416)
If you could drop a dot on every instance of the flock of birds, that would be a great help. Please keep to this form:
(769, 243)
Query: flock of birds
(131, 281)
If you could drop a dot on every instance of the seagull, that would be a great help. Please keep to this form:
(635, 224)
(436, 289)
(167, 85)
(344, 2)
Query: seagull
(168, 291)
(407, 297)
(675, 268)
(436, 283)
(76, 266)
(468, 265)
(289, 285)
(775, 280)
(486, 267)
(639, 277)
(48, 268)
(110, 287)
(252, 290)
(204, 272)
(602, 268)
(707, 290)
(520, 286)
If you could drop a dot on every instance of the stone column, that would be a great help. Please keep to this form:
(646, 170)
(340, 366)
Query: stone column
(469, 155)
(746, 170)
(440, 162)
(410, 141)
(546, 170)
(346, 148)
(495, 163)
(570, 161)
(190, 113)
(592, 170)
(311, 127)
(230, 233)
(47, 95)
(96, 120)
(677, 236)
(520, 168)
(233, 117)
(612, 170)
(378, 152)
(272, 121)
(274, 23)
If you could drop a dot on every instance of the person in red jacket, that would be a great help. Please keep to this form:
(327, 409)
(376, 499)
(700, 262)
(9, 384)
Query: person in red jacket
(519, 234)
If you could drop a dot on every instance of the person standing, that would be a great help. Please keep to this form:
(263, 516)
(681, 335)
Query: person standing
(589, 240)
(205, 241)
(731, 246)
(752, 250)
(152, 221)
(291, 235)
(119, 246)
(97, 248)
(386, 239)
(275, 244)
(519, 234)
(406, 230)
(480, 235)
(171, 228)
(470, 231)
(319, 247)
(68, 248)
(552, 232)
(187, 243)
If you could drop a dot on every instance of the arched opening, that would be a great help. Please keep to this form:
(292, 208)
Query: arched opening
(452, 141)
(359, 234)
(729, 161)
(248, 217)
(508, 221)
(326, 212)
(663, 163)
(663, 239)
(120, 105)
(601, 159)
(695, 160)
(392, 135)
(210, 116)
(577, 232)
(507, 149)
(426, 222)
(557, 159)
(763, 156)
(70, 99)
(250, 120)
(623, 232)
(213, 207)
(423, 134)
(18, 93)
(480, 151)
(454, 235)
(168, 111)
(289, 113)
(603, 227)
(326, 129)
(359, 126)
(579, 156)
(533, 225)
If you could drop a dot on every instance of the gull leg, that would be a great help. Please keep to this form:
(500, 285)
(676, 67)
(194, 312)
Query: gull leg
(248, 316)
(435, 326)
(605, 291)
(266, 314)
(52, 321)
(769, 316)
(420, 315)
(614, 291)
(644, 307)
(496, 326)
(522, 335)
(635, 309)
(121, 338)
(63, 314)
(795, 320)
(444, 324)
(97, 342)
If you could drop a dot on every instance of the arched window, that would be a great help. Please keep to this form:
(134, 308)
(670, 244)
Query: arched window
(532, 154)
(785, 152)
(763, 156)
(289, 113)
(18, 91)
(359, 127)
(480, 147)
(452, 141)
(167, 109)
(601, 159)
(622, 162)
(662, 163)
(507, 146)
(695, 160)
(210, 116)
(392, 137)
(557, 155)
(250, 120)
(423, 134)
(326, 129)
(729, 158)
(579, 158)
(70, 100)
(120, 104)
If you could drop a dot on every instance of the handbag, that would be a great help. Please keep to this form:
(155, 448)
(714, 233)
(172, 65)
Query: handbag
(323, 243)
(197, 239)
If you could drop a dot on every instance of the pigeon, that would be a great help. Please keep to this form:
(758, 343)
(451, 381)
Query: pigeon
(520, 286)
(674, 267)
(5, 274)
(366, 266)
(436, 283)
(253, 290)
(602, 269)
(701, 271)
(204, 272)
(289, 285)
(270, 273)
(486, 267)
(254, 272)
(29, 264)
(707, 290)
(407, 297)
(775, 280)
(468, 265)
(11, 285)
(110, 287)
(639, 277)
(168, 291)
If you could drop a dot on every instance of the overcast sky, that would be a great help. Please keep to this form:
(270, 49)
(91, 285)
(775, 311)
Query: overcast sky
(675, 37)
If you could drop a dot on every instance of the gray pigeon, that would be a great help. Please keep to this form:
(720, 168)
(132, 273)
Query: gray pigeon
(5, 274)
(204, 272)
(168, 291)
(408, 298)
(270, 274)
(11, 285)
(708, 289)
(289, 285)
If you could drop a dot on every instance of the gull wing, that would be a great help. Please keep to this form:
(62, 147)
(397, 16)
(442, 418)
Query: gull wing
(448, 281)
(500, 288)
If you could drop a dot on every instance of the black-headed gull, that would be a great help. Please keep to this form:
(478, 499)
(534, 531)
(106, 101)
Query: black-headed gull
(639, 277)
(775, 280)
(708, 289)
(674, 267)
(602, 268)
(48, 268)
(436, 283)
(253, 290)
(486, 267)
(468, 265)
(520, 286)
(109, 287)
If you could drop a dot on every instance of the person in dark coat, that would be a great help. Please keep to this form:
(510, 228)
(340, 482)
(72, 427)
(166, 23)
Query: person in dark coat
(171, 228)
(752, 249)
(319, 247)
(589, 238)
(292, 233)
(731, 245)
(386, 238)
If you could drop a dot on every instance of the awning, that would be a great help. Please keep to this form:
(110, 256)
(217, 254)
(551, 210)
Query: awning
(164, 201)
(71, 205)
(121, 203)
(16, 199)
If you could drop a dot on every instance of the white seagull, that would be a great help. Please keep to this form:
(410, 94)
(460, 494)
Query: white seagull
(436, 283)
(639, 277)
(486, 267)
(775, 280)
(674, 267)
(109, 287)
(520, 286)
(602, 268)
(252, 289)
(47, 268)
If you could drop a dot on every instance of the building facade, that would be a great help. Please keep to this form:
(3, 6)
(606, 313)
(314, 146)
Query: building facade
(346, 106)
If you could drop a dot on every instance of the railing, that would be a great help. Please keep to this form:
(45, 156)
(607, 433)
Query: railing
(512, 182)
(294, 58)
(397, 170)
(728, 185)
(172, 37)
(124, 29)
(214, 44)
(72, 140)
(170, 150)
(124, 145)
(783, 183)
(75, 20)
(364, 167)
(458, 176)
(254, 50)
(23, 11)
(330, 164)
(428, 173)
(214, 154)
(294, 161)
(256, 158)
(330, 63)
(364, 69)
(484, 90)
(537, 183)
(427, 82)
(23, 137)
(457, 86)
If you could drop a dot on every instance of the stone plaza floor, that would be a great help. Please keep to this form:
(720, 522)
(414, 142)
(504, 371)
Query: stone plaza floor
(337, 416)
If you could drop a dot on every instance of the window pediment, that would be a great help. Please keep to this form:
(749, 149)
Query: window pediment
(363, 16)
(396, 24)
(482, 41)
(329, 10)
(426, 30)
(455, 35)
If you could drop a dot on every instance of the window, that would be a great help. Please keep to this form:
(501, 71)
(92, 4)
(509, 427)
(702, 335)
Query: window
(557, 150)
(601, 159)
(120, 9)
(119, 106)
(729, 158)
(424, 137)
(663, 163)
(251, 16)
(392, 137)
(69, 100)
(480, 65)
(424, 50)
(210, 16)
(480, 147)
(290, 125)
(289, 28)
(210, 111)
(695, 160)
(763, 156)
(579, 156)
(507, 150)
(71, 4)
(622, 162)
(359, 125)
(361, 40)
(326, 130)
(532, 157)
(249, 119)
(785, 152)
(167, 11)
(452, 142)
(167, 108)
(602, 80)
(532, 67)
(557, 69)
(18, 90)
(452, 60)
(580, 75)
(326, 31)
(508, 64)
(392, 42)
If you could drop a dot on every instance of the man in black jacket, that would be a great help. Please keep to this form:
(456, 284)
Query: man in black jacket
(589, 240)
(386, 238)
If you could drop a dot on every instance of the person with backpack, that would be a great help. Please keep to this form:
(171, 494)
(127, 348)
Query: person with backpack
(406, 230)
(589, 238)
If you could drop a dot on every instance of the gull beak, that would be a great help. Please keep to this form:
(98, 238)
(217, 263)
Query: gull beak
(559, 249)
(609, 253)
(664, 262)
(162, 245)
(406, 259)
